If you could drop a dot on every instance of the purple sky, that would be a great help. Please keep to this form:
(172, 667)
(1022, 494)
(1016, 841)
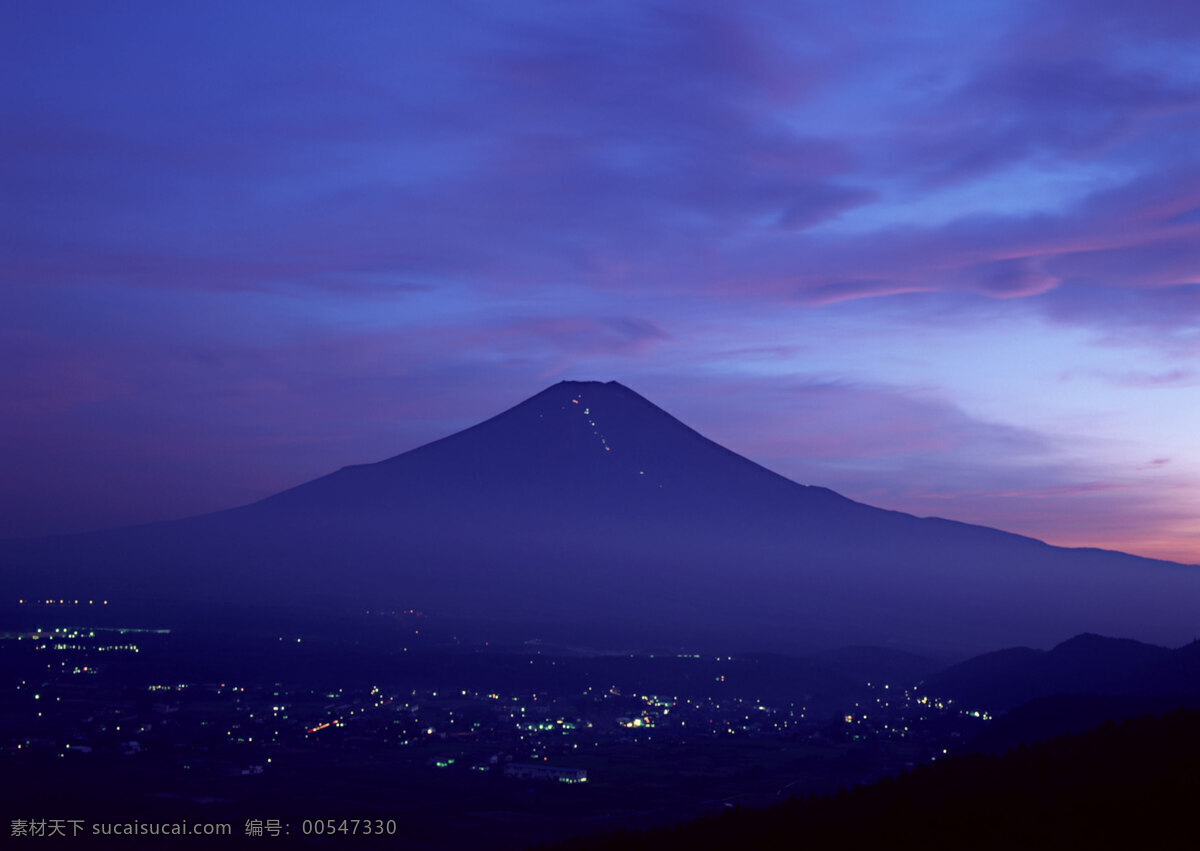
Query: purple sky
(941, 257)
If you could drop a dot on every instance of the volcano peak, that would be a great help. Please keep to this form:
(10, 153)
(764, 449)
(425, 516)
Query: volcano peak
(588, 507)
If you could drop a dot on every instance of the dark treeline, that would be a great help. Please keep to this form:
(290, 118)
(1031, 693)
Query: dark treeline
(1126, 785)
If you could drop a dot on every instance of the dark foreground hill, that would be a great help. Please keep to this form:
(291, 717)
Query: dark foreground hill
(1120, 786)
(588, 514)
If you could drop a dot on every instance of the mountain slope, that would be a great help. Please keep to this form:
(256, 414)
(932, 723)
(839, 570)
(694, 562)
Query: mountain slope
(586, 511)
(1084, 665)
(1117, 786)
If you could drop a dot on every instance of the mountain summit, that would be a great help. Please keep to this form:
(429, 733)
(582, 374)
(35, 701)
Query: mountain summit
(588, 511)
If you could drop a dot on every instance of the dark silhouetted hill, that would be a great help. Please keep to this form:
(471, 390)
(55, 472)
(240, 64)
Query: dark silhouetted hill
(1120, 786)
(1064, 714)
(1084, 665)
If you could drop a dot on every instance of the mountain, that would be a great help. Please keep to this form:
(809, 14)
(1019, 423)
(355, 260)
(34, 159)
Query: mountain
(1084, 665)
(587, 513)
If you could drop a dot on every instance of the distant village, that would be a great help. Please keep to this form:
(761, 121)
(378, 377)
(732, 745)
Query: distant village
(71, 701)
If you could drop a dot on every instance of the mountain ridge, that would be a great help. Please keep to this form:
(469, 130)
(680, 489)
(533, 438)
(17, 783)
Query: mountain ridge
(1086, 664)
(587, 507)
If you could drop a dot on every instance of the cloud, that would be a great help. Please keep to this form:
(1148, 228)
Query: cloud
(1013, 278)
(1076, 108)
(1140, 379)
(818, 202)
(579, 336)
(1151, 263)
(1164, 318)
(849, 290)
(837, 424)
(1155, 464)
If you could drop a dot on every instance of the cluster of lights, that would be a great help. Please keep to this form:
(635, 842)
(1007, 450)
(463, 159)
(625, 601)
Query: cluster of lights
(558, 725)
(24, 602)
(587, 412)
(908, 701)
